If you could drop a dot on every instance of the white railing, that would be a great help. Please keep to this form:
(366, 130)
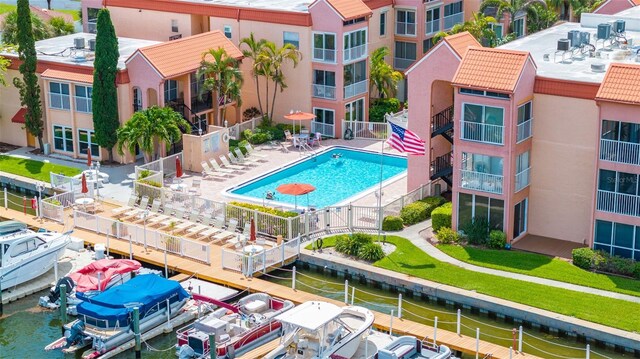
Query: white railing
(354, 53)
(619, 203)
(324, 55)
(324, 91)
(451, 20)
(524, 130)
(401, 64)
(479, 181)
(326, 129)
(251, 263)
(367, 130)
(432, 26)
(169, 164)
(619, 151)
(92, 26)
(356, 89)
(63, 183)
(143, 236)
(522, 179)
(236, 130)
(399, 118)
(52, 211)
(482, 132)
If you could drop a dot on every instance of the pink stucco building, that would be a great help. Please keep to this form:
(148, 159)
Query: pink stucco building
(541, 137)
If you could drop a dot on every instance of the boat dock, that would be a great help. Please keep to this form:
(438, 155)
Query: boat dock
(214, 273)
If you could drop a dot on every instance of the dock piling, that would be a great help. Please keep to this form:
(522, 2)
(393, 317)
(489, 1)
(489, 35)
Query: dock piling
(136, 330)
(520, 339)
(213, 352)
(399, 305)
(391, 324)
(293, 279)
(63, 305)
(353, 294)
(588, 353)
(346, 291)
(435, 330)
(458, 321)
(477, 342)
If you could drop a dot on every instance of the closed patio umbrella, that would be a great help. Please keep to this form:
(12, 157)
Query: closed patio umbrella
(295, 189)
(89, 156)
(252, 232)
(178, 168)
(84, 189)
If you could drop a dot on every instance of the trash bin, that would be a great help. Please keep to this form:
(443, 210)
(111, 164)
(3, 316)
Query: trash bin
(100, 249)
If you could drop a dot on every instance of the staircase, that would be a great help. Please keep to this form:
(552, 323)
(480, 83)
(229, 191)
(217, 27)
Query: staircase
(191, 117)
(442, 124)
(442, 168)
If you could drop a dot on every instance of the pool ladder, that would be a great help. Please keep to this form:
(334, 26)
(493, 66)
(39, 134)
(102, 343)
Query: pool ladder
(305, 149)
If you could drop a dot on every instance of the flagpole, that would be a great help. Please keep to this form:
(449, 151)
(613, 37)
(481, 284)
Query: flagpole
(380, 212)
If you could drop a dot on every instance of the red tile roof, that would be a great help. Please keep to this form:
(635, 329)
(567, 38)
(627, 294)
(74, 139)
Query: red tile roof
(179, 57)
(350, 9)
(376, 4)
(491, 69)
(19, 116)
(621, 84)
(461, 42)
(68, 76)
(565, 88)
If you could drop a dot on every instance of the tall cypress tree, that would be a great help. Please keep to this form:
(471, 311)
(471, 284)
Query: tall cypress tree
(28, 86)
(105, 94)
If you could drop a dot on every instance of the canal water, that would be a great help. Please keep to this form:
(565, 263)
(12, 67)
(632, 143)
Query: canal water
(492, 329)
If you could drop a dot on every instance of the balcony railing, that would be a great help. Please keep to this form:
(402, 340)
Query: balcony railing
(401, 64)
(479, 181)
(522, 179)
(324, 55)
(482, 132)
(324, 91)
(619, 151)
(92, 26)
(524, 130)
(619, 203)
(326, 129)
(355, 89)
(432, 26)
(354, 53)
(451, 20)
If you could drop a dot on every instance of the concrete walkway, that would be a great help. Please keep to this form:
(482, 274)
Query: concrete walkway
(413, 234)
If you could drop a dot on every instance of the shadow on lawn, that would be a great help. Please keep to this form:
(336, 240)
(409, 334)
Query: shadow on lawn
(513, 259)
(33, 167)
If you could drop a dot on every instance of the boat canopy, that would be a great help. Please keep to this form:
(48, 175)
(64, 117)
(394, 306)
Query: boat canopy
(86, 279)
(8, 227)
(310, 315)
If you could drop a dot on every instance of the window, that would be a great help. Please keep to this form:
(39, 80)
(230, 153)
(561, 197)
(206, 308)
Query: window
(405, 54)
(618, 182)
(227, 31)
(170, 90)
(355, 45)
(324, 84)
(524, 122)
(618, 192)
(354, 21)
(522, 162)
(324, 47)
(518, 27)
(137, 99)
(522, 171)
(453, 14)
(324, 121)
(617, 239)
(482, 123)
(621, 131)
(481, 172)
(497, 29)
(520, 218)
(355, 79)
(433, 20)
(354, 111)
(482, 163)
(83, 98)
(468, 91)
(292, 38)
(383, 23)
(87, 139)
(174, 25)
(59, 96)
(427, 44)
(406, 22)
(474, 206)
(63, 138)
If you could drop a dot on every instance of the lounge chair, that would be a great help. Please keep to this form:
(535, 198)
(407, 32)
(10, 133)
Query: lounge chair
(283, 148)
(195, 230)
(192, 221)
(217, 168)
(287, 136)
(243, 159)
(130, 205)
(230, 232)
(252, 152)
(236, 161)
(227, 164)
(144, 202)
(207, 172)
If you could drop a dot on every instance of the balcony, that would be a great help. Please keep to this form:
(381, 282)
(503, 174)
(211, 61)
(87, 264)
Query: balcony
(355, 89)
(432, 26)
(354, 53)
(451, 20)
(479, 181)
(324, 55)
(619, 151)
(482, 132)
(618, 203)
(324, 91)
(522, 179)
(524, 130)
(402, 64)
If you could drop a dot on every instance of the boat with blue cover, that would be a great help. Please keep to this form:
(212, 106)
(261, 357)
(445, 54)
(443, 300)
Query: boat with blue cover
(106, 320)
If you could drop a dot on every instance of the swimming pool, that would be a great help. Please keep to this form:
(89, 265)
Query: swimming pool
(337, 180)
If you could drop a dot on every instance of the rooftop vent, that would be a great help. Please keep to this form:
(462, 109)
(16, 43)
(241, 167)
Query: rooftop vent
(585, 38)
(619, 26)
(563, 45)
(574, 38)
(598, 67)
(604, 31)
(78, 43)
(92, 44)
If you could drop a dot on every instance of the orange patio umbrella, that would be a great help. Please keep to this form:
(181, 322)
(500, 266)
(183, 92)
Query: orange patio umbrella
(89, 156)
(252, 232)
(299, 117)
(178, 167)
(84, 189)
(295, 189)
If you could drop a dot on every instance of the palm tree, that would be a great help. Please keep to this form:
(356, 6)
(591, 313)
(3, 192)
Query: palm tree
(478, 27)
(4, 64)
(383, 77)
(253, 52)
(514, 7)
(272, 59)
(222, 78)
(149, 128)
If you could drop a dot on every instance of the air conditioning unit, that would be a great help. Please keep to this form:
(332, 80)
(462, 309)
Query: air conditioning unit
(78, 42)
(563, 45)
(92, 44)
(604, 31)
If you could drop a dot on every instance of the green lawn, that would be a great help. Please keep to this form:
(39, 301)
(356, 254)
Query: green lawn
(74, 13)
(7, 7)
(541, 266)
(34, 169)
(409, 259)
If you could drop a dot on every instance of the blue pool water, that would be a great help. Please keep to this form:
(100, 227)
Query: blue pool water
(335, 179)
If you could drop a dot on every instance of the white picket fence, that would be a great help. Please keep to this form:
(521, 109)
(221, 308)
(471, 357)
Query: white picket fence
(251, 263)
(236, 130)
(139, 235)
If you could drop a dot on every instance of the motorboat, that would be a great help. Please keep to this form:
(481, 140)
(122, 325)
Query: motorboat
(105, 321)
(90, 280)
(238, 328)
(318, 329)
(11, 227)
(408, 347)
(25, 255)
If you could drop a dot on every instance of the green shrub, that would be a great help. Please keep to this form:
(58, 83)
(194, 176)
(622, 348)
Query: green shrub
(477, 231)
(351, 244)
(584, 258)
(617, 265)
(446, 235)
(259, 208)
(151, 183)
(636, 270)
(257, 137)
(233, 144)
(433, 202)
(371, 252)
(441, 216)
(497, 240)
(343, 243)
(589, 259)
(144, 174)
(420, 210)
(53, 201)
(289, 127)
(392, 223)
(382, 106)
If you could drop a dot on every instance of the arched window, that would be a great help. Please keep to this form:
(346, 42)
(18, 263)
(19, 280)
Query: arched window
(137, 99)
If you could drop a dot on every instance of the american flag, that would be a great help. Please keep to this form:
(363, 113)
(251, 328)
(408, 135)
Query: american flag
(404, 140)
